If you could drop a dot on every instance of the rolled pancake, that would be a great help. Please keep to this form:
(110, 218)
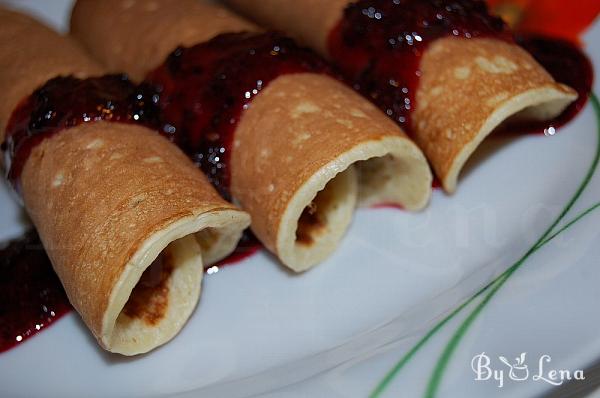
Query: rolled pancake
(134, 44)
(279, 177)
(21, 76)
(467, 88)
(108, 199)
(305, 151)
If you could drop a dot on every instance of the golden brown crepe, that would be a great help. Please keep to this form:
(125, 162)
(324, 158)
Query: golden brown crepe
(467, 87)
(113, 202)
(140, 34)
(306, 151)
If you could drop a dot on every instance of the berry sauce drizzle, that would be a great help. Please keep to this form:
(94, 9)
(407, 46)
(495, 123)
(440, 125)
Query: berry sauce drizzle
(205, 88)
(378, 44)
(65, 102)
(31, 296)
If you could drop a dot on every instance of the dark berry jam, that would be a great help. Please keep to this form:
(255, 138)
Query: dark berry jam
(567, 64)
(204, 89)
(378, 44)
(31, 296)
(65, 102)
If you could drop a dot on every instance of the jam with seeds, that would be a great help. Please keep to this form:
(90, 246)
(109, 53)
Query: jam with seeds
(65, 102)
(205, 88)
(378, 44)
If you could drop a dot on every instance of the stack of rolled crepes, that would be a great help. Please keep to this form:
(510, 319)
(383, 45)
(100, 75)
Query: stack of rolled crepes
(469, 81)
(306, 149)
(109, 200)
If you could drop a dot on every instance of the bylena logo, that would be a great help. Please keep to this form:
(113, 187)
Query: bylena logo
(484, 370)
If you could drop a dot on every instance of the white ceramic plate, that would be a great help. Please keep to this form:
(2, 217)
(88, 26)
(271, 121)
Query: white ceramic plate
(337, 330)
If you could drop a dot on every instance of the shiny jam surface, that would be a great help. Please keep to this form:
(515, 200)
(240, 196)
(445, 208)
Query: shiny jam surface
(204, 89)
(378, 44)
(65, 102)
(31, 296)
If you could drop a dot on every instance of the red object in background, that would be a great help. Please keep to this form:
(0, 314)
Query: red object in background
(554, 18)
